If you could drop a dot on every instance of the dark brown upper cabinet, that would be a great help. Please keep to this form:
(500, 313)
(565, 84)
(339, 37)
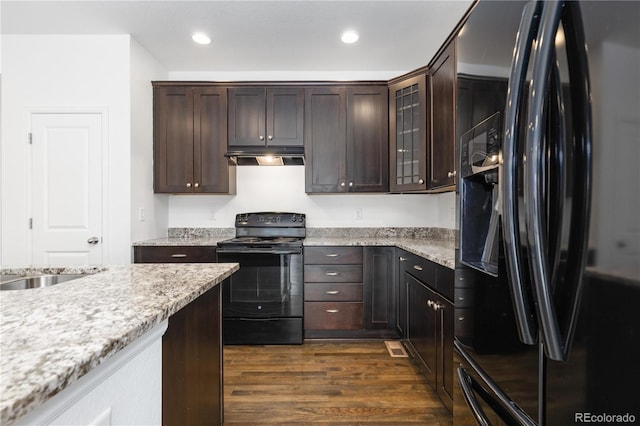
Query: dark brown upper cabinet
(260, 116)
(408, 134)
(442, 90)
(346, 139)
(189, 140)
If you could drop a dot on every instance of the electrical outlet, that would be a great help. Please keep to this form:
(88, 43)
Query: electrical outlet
(141, 216)
(359, 213)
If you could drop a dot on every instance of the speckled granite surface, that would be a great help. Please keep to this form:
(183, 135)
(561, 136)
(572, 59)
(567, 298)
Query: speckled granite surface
(438, 251)
(52, 336)
(435, 244)
(191, 237)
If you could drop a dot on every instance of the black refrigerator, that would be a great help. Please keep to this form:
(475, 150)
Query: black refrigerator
(547, 280)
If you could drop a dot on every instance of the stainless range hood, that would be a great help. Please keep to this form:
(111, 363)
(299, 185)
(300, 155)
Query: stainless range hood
(267, 156)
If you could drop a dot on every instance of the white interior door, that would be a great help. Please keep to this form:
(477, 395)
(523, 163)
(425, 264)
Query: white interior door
(66, 189)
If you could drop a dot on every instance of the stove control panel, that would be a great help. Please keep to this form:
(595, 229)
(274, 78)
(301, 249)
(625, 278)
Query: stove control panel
(270, 219)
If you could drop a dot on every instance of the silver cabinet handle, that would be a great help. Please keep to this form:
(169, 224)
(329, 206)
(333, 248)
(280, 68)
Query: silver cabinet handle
(417, 267)
(270, 137)
(196, 185)
(342, 184)
(351, 184)
(332, 254)
(420, 181)
(451, 174)
(402, 259)
(332, 292)
(333, 311)
(178, 255)
(332, 274)
(430, 303)
(188, 184)
(93, 240)
(261, 137)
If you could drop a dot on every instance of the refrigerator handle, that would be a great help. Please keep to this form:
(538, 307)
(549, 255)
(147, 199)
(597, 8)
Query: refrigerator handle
(527, 328)
(488, 390)
(465, 382)
(558, 341)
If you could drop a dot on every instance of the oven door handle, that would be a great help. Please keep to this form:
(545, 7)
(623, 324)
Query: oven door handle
(235, 251)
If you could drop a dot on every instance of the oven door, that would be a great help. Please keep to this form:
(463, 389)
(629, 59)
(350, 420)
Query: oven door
(268, 285)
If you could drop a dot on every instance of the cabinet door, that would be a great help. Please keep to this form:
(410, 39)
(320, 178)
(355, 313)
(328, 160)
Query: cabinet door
(211, 168)
(325, 139)
(422, 326)
(408, 135)
(442, 106)
(285, 116)
(367, 139)
(247, 116)
(192, 363)
(173, 139)
(379, 291)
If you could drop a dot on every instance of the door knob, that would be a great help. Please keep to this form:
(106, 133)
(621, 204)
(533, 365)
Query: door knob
(93, 240)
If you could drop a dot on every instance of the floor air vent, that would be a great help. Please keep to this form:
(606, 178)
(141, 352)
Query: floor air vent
(395, 348)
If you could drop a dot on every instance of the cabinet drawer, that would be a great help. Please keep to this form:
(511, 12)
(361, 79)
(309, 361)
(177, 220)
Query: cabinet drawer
(333, 315)
(333, 273)
(333, 292)
(332, 255)
(422, 269)
(174, 254)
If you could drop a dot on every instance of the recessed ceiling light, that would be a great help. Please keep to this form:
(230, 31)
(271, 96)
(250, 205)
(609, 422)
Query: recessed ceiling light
(349, 37)
(201, 38)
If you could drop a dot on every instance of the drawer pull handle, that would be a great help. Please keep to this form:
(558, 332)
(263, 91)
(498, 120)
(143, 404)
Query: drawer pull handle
(333, 274)
(403, 259)
(333, 311)
(178, 255)
(417, 267)
(333, 254)
(332, 292)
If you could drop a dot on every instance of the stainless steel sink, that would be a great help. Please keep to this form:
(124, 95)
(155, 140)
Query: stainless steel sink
(39, 281)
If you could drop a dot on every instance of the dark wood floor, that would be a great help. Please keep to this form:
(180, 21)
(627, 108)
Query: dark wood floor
(326, 382)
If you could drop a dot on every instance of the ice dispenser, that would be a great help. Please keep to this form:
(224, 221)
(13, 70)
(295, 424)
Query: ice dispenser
(479, 195)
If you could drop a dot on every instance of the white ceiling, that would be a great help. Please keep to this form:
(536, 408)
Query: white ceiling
(280, 35)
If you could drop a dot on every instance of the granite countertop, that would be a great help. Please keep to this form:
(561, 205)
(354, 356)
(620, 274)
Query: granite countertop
(50, 337)
(435, 244)
(439, 251)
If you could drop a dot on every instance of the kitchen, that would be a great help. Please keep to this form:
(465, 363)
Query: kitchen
(122, 63)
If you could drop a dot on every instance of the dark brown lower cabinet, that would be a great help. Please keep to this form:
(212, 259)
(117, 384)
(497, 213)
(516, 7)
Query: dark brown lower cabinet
(349, 292)
(429, 334)
(192, 364)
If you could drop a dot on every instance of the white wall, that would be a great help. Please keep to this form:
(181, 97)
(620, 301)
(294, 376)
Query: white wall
(282, 189)
(58, 72)
(144, 69)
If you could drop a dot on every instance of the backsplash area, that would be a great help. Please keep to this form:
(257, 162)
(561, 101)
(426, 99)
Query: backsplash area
(282, 189)
(385, 232)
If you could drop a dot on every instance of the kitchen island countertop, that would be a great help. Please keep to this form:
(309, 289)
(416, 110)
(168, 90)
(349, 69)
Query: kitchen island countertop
(50, 337)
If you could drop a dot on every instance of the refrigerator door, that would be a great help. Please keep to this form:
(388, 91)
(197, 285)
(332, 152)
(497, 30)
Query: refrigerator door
(487, 327)
(600, 370)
